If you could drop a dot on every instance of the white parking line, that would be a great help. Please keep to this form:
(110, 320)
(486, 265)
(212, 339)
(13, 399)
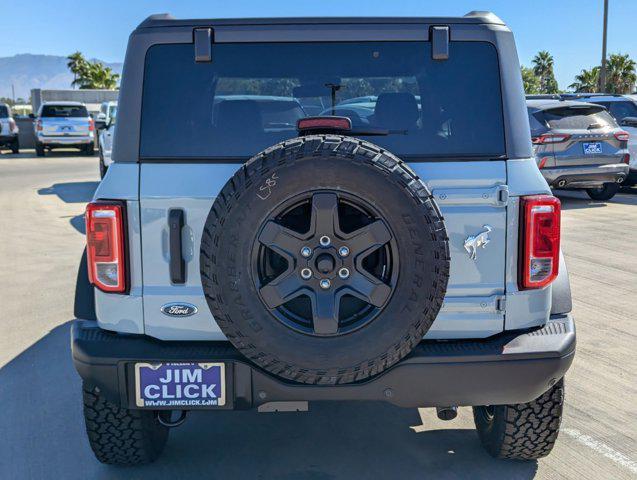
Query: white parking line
(600, 447)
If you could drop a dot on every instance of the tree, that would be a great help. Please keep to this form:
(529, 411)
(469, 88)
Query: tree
(620, 76)
(530, 80)
(543, 68)
(587, 81)
(87, 74)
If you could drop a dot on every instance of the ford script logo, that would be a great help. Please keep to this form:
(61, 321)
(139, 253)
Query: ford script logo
(178, 309)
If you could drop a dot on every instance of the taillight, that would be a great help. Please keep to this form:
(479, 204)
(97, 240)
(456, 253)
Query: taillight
(38, 125)
(550, 138)
(542, 162)
(540, 241)
(622, 136)
(91, 125)
(105, 246)
(319, 123)
(12, 125)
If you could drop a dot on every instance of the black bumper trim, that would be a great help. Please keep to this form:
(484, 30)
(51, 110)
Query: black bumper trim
(512, 367)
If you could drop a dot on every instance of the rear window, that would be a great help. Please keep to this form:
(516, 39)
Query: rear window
(578, 118)
(64, 111)
(4, 111)
(251, 96)
(621, 110)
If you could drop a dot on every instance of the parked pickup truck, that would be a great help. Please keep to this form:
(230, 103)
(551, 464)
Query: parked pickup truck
(263, 259)
(64, 125)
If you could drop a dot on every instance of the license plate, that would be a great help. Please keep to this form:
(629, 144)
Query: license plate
(180, 385)
(592, 148)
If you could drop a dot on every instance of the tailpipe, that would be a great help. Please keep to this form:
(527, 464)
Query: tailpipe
(561, 183)
(620, 179)
(447, 413)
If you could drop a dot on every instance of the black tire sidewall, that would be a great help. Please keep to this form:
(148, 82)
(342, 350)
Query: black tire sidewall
(410, 311)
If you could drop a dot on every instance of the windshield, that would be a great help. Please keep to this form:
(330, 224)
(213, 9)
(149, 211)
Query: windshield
(578, 118)
(64, 111)
(252, 95)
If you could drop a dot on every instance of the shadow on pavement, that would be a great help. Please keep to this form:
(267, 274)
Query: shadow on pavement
(572, 200)
(43, 436)
(78, 223)
(71, 192)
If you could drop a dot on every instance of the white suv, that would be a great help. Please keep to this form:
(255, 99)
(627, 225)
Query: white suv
(64, 125)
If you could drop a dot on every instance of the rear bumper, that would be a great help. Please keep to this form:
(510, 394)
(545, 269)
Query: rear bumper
(585, 176)
(8, 139)
(511, 367)
(64, 141)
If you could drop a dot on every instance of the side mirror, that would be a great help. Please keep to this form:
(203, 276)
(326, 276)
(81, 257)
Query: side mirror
(100, 124)
(629, 122)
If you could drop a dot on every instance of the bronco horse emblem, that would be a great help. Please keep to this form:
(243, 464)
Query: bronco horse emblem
(473, 242)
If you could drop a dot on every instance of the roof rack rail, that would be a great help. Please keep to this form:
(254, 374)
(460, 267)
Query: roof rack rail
(543, 96)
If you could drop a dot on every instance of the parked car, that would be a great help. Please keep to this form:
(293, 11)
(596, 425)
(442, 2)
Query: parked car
(579, 146)
(623, 108)
(64, 125)
(8, 129)
(235, 262)
(105, 125)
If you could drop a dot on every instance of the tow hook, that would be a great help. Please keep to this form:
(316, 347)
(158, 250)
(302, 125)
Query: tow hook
(165, 418)
(447, 413)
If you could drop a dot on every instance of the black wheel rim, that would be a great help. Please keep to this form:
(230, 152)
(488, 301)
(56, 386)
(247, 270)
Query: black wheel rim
(325, 263)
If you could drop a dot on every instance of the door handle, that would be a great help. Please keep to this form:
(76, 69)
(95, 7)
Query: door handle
(177, 264)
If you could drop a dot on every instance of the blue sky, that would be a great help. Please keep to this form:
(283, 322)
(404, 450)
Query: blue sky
(570, 29)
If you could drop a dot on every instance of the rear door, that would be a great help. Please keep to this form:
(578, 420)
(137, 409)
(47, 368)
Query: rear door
(589, 133)
(443, 118)
(65, 120)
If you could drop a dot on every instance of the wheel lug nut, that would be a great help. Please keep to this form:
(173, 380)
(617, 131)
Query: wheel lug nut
(343, 251)
(325, 241)
(306, 252)
(306, 274)
(325, 284)
(343, 273)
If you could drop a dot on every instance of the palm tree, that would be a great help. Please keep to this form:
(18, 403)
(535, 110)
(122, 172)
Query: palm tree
(91, 74)
(587, 81)
(543, 68)
(530, 80)
(621, 75)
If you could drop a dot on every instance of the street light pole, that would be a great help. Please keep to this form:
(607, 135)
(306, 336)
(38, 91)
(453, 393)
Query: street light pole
(602, 73)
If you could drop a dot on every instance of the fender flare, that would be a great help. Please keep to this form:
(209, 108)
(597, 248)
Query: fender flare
(84, 306)
(561, 301)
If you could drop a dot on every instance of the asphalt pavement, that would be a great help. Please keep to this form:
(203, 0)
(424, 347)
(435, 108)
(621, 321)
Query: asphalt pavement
(41, 427)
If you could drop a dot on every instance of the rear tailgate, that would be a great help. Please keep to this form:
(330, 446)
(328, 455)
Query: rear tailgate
(471, 195)
(65, 126)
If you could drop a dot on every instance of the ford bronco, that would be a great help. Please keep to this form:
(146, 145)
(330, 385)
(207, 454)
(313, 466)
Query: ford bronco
(313, 209)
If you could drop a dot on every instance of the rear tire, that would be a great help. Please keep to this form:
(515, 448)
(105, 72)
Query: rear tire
(39, 149)
(523, 431)
(89, 150)
(605, 192)
(15, 146)
(119, 436)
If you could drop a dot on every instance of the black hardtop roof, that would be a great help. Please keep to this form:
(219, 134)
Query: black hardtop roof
(167, 20)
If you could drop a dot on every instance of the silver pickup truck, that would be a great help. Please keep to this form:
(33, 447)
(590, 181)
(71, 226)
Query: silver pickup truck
(64, 125)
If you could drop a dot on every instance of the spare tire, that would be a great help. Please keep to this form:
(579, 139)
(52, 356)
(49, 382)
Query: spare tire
(324, 259)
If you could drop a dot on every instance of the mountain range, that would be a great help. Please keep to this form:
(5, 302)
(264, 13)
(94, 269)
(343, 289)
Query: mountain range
(27, 71)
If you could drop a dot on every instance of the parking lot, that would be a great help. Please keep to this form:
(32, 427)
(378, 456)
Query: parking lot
(42, 201)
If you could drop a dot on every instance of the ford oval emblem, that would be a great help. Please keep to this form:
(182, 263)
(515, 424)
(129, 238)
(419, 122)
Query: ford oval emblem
(178, 309)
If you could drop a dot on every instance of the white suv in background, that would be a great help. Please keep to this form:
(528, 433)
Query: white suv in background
(105, 124)
(64, 125)
(8, 129)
